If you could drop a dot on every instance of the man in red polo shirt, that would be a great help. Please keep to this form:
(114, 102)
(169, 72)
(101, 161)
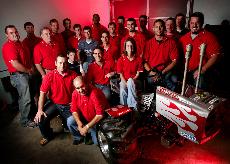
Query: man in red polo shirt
(87, 107)
(74, 40)
(59, 85)
(31, 39)
(196, 37)
(18, 61)
(137, 36)
(97, 28)
(100, 71)
(67, 33)
(114, 39)
(56, 36)
(161, 54)
(46, 52)
(111, 52)
(143, 20)
(121, 30)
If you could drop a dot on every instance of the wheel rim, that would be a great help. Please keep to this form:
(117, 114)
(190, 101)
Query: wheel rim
(103, 143)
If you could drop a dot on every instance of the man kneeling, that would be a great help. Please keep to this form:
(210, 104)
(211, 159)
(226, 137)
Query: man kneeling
(58, 85)
(88, 105)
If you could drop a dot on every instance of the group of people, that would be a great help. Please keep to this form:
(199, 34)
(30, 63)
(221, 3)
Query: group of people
(75, 70)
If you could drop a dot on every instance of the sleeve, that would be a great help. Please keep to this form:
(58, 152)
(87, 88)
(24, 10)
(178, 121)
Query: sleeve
(46, 83)
(174, 53)
(81, 45)
(213, 46)
(142, 42)
(115, 52)
(10, 53)
(89, 74)
(100, 102)
(37, 55)
(120, 65)
(140, 65)
(146, 52)
(74, 107)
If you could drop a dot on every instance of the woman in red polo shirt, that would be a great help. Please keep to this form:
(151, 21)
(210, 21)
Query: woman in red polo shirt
(129, 66)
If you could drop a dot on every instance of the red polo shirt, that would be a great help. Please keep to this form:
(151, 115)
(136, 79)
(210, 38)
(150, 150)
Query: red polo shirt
(147, 34)
(160, 54)
(96, 32)
(31, 42)
(57, 37)
(212, 47)
(46, 54)
(73, 42)
(60, 87)
(122, 31)
(111, 54)
(96, 73)
(89, 105)
(129, 68)
(140, 42)
(16, 51)
(115, 41)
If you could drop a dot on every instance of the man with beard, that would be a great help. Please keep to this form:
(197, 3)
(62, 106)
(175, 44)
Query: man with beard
(196, 37)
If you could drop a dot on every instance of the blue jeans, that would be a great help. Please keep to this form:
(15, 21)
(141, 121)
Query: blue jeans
(105, 89)
(76, 133)
(21, 82)
(169, 81)
(128, 93)
(51, 111)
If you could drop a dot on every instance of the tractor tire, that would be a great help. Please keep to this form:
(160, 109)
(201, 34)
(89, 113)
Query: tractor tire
(117, 140)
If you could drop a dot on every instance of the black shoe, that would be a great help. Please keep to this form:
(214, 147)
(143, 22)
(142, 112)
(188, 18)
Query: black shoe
(77, 142)
(30, 124)
(88, 140)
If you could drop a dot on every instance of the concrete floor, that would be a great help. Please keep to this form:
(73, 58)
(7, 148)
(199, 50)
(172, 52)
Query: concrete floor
(21, 145)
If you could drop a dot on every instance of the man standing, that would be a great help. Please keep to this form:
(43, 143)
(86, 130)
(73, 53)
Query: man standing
(114, 39)
(18, 61)
(121, 30)
(196, 37)
(73, 41)
(46, 52)
(97, 28)
(59, 85)
(111, 52)
(87, 107)
(137, 36)
(143, 20)
(31, 39)
(160, 57)
(180, 24)
(67, 33)
(57, 37)
(87, 46)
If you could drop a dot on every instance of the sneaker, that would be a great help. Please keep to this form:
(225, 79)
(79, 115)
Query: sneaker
(30, 124)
